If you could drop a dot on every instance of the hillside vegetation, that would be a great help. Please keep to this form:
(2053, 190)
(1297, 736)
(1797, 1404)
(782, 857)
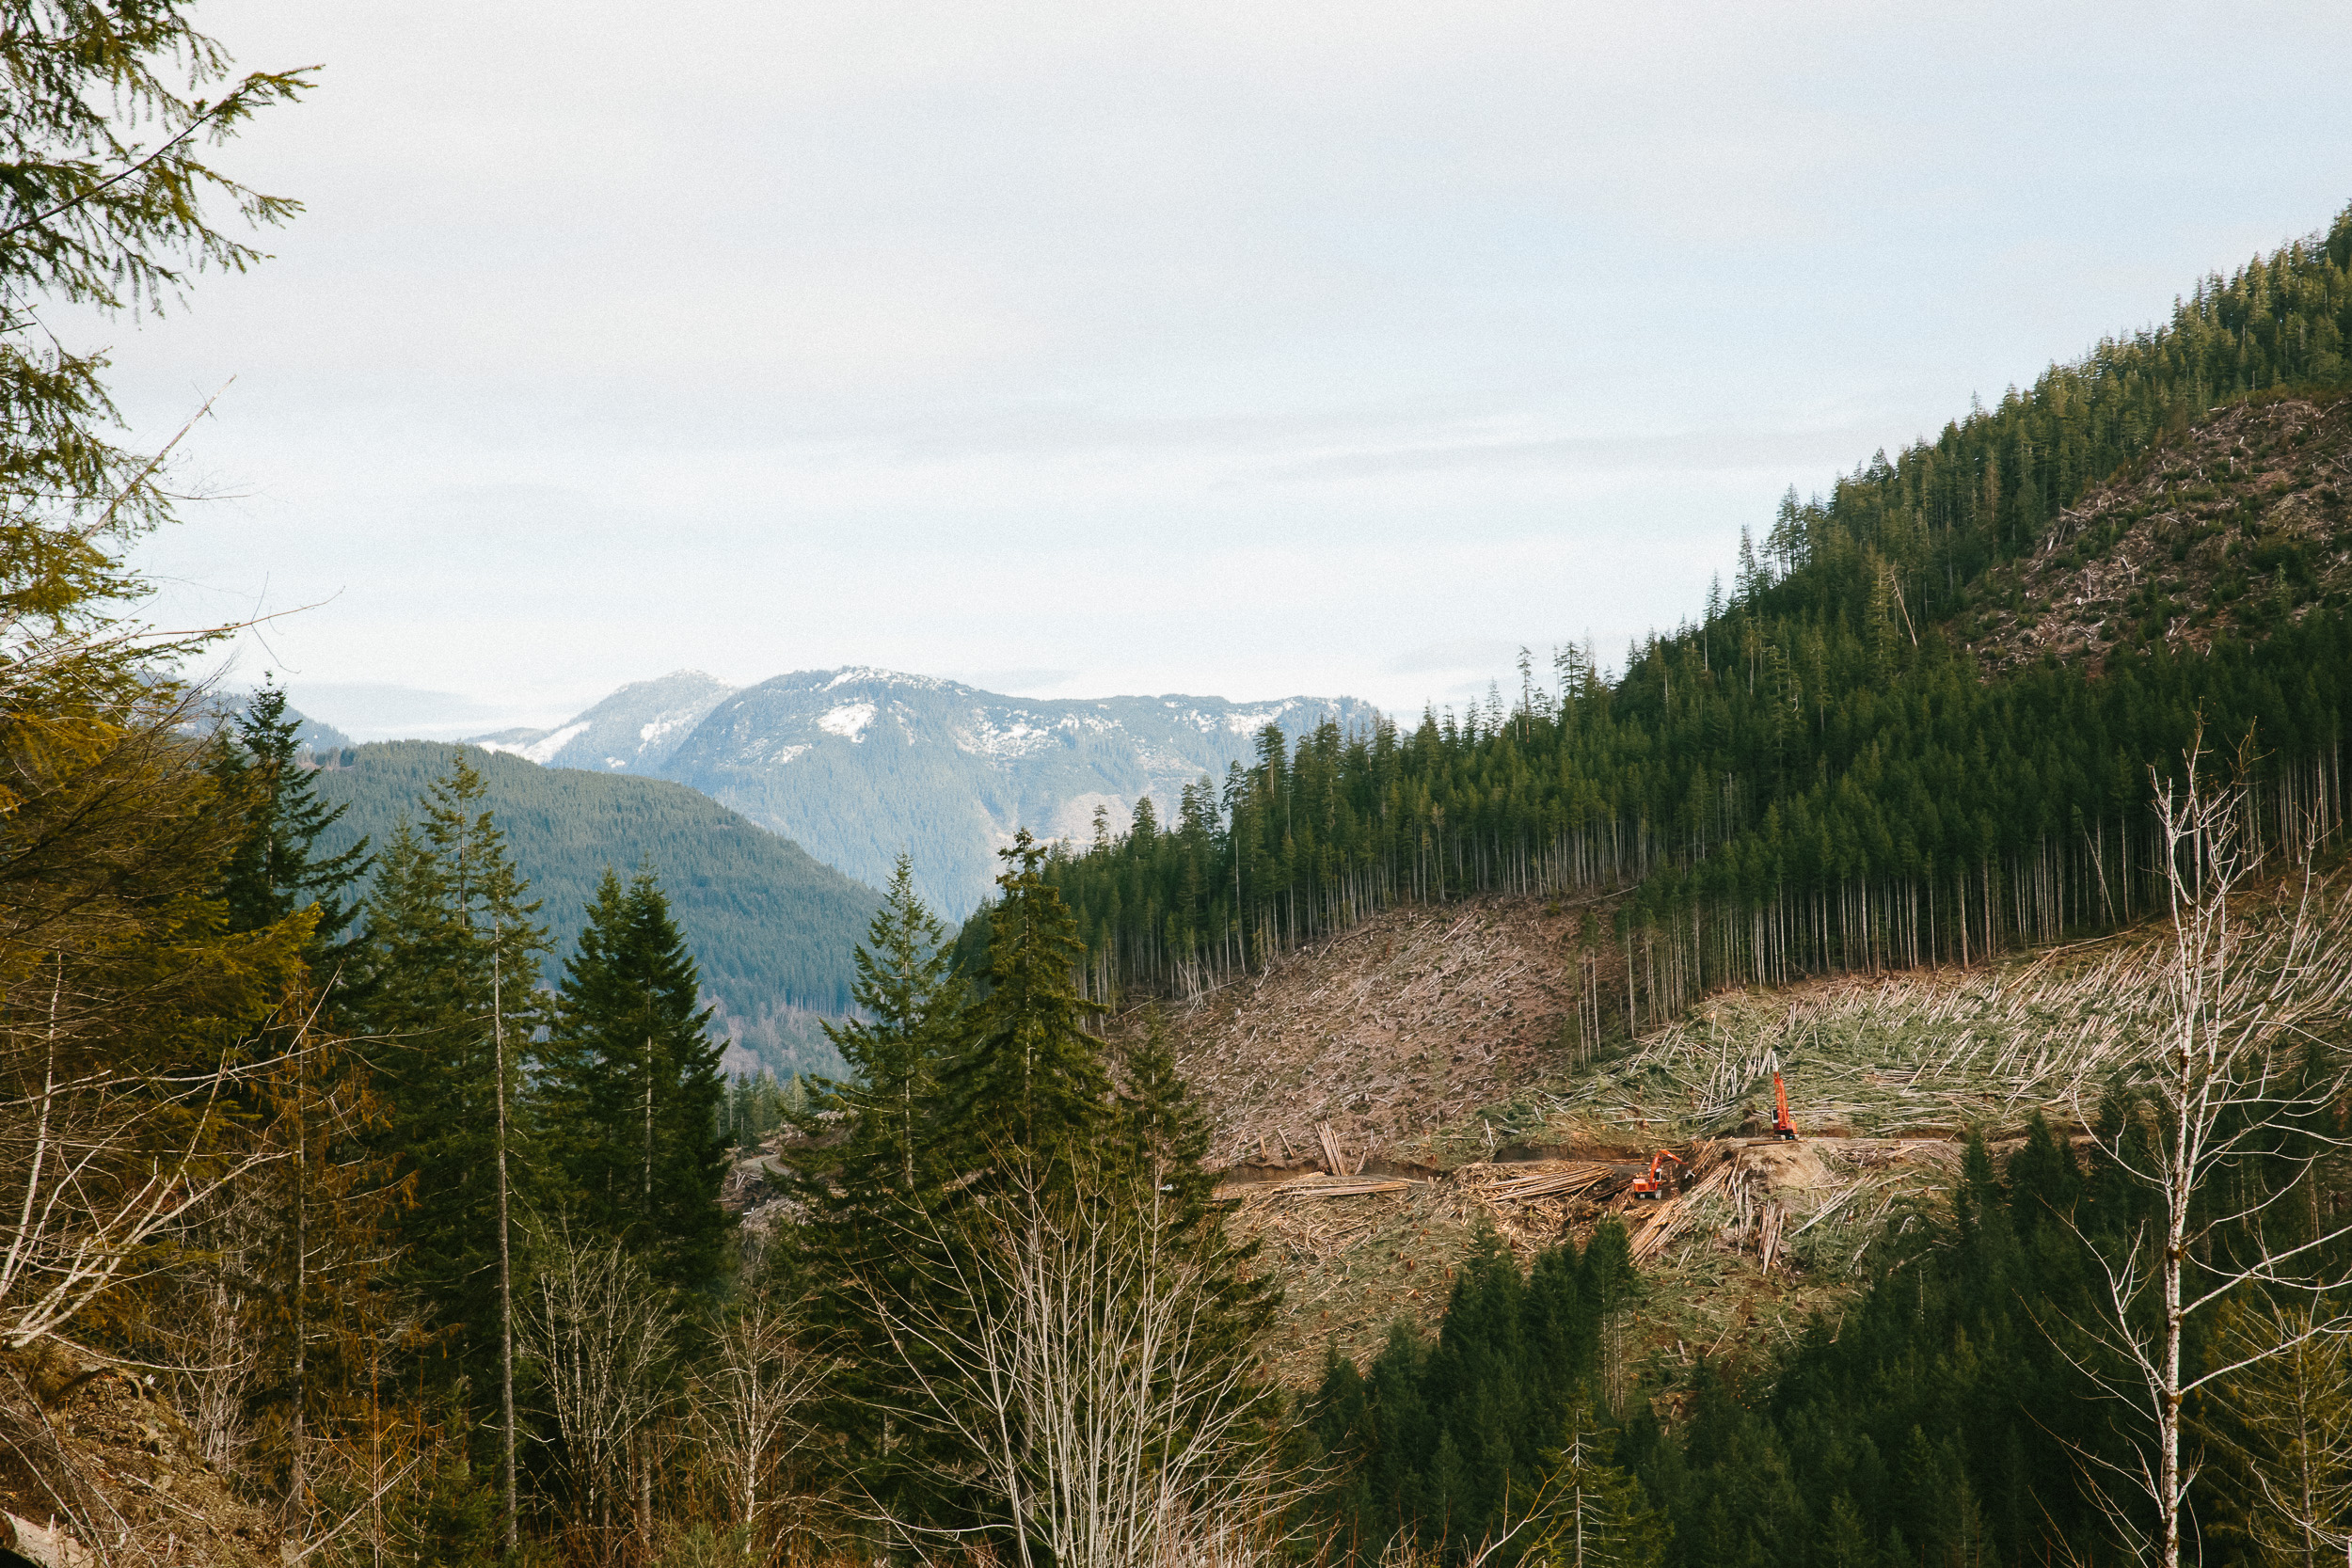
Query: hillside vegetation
(1851, 760)
(772, 929)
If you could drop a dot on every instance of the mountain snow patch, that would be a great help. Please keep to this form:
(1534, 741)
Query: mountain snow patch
(849, 720)
(543, 750)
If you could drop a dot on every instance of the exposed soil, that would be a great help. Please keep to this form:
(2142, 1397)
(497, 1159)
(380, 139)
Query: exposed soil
(86, 1452)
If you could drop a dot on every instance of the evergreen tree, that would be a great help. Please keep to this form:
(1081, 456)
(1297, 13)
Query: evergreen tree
(1030, 1080)
(450, 969)
(630, 1101)
(276, 869)
(912, 1005)
(1600, 1517)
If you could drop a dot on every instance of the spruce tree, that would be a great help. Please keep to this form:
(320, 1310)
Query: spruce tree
(912, 1005)
(630, 1098)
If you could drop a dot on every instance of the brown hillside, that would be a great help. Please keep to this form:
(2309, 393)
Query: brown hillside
(94, 1459)
(1386, 1034)
(1428, 1042)
(2231, 526)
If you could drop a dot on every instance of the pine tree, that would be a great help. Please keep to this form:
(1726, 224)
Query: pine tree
(630, 1101)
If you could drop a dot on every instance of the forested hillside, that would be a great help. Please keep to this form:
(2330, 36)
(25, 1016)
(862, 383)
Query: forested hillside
(773, 929)
(1843, 761)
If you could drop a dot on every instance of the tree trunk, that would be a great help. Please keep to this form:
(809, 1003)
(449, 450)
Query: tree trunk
(297, 1483)
(506, 1260)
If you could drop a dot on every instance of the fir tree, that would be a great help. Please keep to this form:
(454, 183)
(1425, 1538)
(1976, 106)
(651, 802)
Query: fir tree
(631, 1098)
(276, 869)
(1600, 1517)
(449, 966)
(1030, 1081)
(912, 1002)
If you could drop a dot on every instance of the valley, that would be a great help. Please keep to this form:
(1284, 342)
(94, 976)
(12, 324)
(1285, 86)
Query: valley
(1865, 1082)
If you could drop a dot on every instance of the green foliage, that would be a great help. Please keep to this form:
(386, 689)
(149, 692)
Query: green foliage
(769, 927)
(1445, 1446)
(911, 1008)
(448, 988)
(1818, 775)
(910, 1196)
(1028, 1080)
(629, 1101)
(757, 1105)
(277, 868)
(1596, 1514)
(106, 204)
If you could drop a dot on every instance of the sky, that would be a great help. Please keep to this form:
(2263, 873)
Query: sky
(1073, 350)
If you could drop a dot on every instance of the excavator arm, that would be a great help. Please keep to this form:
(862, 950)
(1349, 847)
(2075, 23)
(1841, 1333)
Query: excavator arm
(1653, 1183)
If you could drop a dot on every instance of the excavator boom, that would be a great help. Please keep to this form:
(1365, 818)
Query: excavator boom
(1782, 1126)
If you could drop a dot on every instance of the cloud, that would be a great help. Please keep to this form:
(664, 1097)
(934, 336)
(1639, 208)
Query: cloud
(1468, 653)
(376, 710)
(1140, 347)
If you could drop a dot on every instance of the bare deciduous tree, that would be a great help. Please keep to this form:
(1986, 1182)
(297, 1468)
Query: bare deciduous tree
(750, 1413)
(2292, 1431)
(2237, 1073)
(602, 1333)
(1072, 1355)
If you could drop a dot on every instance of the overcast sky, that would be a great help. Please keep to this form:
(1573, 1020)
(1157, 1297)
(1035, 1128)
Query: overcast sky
(1072, 350)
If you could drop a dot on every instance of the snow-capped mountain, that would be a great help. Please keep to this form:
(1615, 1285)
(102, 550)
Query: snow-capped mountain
(633, 731)
(857, 764)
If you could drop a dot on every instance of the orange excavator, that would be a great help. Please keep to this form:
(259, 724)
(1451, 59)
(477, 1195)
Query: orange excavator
(1654, 1184)
(1782, 1126)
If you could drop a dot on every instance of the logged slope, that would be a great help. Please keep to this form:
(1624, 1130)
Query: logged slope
(1386, 1035)
(772, 929)
(857, 765)
(2232, 529)
(1438, 1050)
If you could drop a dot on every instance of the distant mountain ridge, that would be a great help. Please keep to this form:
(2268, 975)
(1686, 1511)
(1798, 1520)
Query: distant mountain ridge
(855, 764)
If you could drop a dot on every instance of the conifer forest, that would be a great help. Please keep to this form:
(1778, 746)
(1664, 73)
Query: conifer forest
(1991, 811)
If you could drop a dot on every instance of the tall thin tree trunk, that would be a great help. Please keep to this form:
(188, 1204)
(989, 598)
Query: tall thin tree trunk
(506, 1260)
(298, 1482)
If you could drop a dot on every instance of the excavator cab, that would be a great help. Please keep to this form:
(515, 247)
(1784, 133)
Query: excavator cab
(1655, 1182)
